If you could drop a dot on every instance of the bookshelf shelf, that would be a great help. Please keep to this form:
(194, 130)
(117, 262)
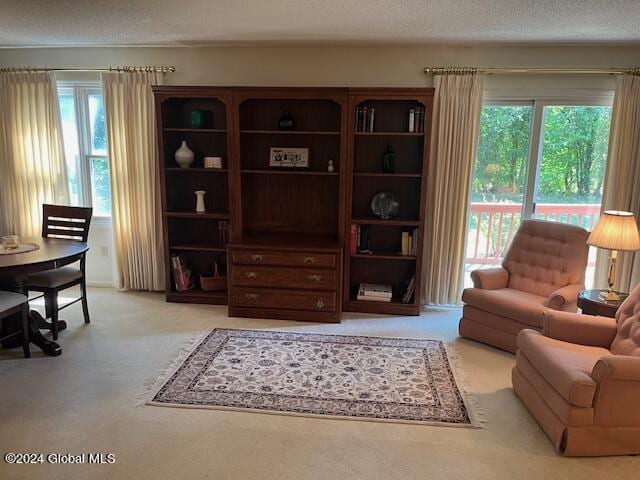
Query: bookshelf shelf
(197, 169)
(387, 175)
(289, 132)
(198, 295)
(289, 172)
(197, 247)
(391, 222)
(390, 134)
(406, 258)
(205, 215)
(195, 130)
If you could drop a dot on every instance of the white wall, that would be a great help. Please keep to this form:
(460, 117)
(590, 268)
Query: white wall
(334, 66)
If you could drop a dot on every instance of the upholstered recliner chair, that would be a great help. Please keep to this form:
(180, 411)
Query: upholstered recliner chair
(543, 268)
(580, 379)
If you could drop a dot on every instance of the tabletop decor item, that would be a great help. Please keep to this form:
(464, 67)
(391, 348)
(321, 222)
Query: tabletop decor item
(615, 230)
(384, 205)
(22, 248)
(389, 160)
(10, 242)
(288, 157)
(286, 121)
(331, 167)
(198, 118)
(200, 201)
(213, 280)
(327, 376)
(184, 155)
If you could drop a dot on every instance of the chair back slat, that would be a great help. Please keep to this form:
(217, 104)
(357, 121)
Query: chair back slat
(69, 223)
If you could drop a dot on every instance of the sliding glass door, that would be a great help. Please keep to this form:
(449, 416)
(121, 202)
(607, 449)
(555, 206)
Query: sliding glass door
(535, 160)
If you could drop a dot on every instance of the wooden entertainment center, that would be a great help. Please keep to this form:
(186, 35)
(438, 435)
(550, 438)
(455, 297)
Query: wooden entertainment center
(290, 252)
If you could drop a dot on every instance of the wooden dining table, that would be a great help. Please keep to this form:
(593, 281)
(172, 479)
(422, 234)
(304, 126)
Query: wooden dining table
(51, 253)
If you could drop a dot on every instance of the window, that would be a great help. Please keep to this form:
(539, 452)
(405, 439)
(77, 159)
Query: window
(85, 145)
(535, 160)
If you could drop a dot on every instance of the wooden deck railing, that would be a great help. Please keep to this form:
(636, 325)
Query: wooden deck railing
(492, 225)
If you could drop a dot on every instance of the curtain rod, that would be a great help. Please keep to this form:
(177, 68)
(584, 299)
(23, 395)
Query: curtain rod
(498, 70)
(139, 68)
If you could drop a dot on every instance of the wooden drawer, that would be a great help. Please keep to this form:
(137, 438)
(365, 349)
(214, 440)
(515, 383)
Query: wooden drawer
(284, 259)
(284, 299)
(310, 278)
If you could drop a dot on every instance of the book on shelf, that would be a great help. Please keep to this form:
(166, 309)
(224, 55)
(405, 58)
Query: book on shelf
(416, 120)
(409, 242)
(223, 233)
(365, 119)
(407, 294)
(374, 292)
(353, 244)
(182, 277)
(361, 239)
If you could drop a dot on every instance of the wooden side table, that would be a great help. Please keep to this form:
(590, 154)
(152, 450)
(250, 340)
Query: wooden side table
(591, 303)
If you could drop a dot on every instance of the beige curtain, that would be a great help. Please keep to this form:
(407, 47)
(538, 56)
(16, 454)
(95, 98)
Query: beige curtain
(135, 189)
(622, 179)
(32, 163)
(456, 125)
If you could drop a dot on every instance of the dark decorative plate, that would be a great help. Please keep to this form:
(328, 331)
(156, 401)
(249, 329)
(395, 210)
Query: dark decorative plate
(384, 205)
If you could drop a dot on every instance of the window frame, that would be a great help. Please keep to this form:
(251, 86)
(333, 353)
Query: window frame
(81, 91)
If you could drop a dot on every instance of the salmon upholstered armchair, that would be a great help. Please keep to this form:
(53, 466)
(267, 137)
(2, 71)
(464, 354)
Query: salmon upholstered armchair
(580, 379)
(543, 268)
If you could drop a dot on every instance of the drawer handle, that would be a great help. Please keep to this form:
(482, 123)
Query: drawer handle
(251, 274)
(319, 304)
(257, 258)
(309, 260)
(314, 278)
(252, 296)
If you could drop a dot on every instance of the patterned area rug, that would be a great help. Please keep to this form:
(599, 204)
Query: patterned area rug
(350, 377)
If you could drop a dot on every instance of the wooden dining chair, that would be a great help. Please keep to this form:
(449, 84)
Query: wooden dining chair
(10, 304)
(67, 223)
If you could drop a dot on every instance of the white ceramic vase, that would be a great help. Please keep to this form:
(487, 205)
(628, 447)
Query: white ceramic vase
(184, 155)
(200, 201)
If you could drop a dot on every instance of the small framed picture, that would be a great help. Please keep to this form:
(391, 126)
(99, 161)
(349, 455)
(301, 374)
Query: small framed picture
(288, 157)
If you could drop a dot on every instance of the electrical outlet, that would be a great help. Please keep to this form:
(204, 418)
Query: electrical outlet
(104, 251)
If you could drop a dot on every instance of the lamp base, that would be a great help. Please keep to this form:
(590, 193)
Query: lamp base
(609, 296)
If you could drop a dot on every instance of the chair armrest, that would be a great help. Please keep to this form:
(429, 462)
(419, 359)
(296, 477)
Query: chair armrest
(572, 327)
(618, 392)
(617, 367)
(564, 296)
(490, 278)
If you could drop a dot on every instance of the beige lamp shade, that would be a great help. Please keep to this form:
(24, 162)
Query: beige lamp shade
(616, 230)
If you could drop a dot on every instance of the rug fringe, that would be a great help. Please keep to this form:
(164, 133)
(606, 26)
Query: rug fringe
(477, 415)
(155, 383)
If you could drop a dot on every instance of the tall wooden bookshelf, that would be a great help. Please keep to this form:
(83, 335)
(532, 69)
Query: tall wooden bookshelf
(289, 250)
(194, 236)
(385, 264)
(286, 252)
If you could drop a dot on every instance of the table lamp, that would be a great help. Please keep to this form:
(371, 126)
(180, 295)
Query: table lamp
(615, 230)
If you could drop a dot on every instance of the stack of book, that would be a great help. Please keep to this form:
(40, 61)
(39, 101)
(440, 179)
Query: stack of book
(407, 295)
(361, 239)
(416, 120)
(410, 242)
(375, 293)
(365, 118)
(182, 276)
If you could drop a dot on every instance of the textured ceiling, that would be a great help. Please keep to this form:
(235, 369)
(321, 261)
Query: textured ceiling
(211, 22)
